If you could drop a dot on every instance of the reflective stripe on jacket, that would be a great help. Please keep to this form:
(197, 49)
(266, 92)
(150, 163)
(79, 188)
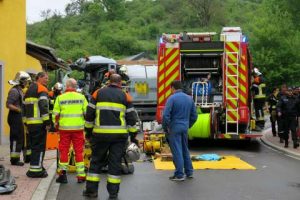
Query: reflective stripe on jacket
(110, 112)
(260, 94)
(70, 108)
(37, 104)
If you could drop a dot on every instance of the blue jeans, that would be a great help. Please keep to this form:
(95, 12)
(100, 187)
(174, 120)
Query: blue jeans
(181, 156)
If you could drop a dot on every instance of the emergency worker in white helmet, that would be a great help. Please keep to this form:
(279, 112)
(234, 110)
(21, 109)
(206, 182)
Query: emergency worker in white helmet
(53, 94)
(16, 107)
(124, 76)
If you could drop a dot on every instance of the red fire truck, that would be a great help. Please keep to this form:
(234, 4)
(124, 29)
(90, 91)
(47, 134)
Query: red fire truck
(216, 73)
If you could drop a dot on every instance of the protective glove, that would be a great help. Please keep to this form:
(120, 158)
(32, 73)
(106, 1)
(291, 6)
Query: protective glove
(88, 133)
(52, 129)
(133, 139)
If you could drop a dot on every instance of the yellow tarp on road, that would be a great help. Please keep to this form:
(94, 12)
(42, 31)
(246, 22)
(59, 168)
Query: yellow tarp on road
(227, 162)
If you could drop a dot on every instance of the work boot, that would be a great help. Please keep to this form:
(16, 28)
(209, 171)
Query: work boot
(27, 159)
(18, 163)
(80, 179)
(90, 194)
(62, 178)
(286, 144)
(281, 140)
(42, 174)
(113, 196)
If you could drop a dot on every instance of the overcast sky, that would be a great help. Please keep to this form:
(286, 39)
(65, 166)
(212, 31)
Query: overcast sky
(35, 7)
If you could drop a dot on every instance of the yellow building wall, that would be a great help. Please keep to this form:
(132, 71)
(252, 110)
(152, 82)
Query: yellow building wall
(12, 48)
(33, 64)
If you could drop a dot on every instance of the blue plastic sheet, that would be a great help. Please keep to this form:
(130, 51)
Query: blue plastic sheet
(209, 157)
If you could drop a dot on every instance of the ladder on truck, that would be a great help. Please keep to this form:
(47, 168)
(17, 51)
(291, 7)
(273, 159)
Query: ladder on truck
(232, 89)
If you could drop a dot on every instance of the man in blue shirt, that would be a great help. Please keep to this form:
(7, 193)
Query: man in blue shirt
(179, 115)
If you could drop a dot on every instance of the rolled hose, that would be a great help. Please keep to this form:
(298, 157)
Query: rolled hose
(201, 128)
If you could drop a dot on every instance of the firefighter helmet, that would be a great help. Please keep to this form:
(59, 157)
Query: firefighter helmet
(257, 72)
(133, 152)
(58, 86)
(123, 69)
(21, 78)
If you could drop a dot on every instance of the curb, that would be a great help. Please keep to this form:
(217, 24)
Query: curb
(278, 148)
(43, 187)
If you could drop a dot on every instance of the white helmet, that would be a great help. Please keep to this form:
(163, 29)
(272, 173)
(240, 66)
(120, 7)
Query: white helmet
(133, 152)
(20, 78)
(257, 72)
(58, 86)
(123, 69)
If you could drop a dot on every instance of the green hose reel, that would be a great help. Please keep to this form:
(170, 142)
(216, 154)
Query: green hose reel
(201, 128)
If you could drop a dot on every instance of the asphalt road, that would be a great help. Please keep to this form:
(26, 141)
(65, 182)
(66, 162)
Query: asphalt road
(277, 178)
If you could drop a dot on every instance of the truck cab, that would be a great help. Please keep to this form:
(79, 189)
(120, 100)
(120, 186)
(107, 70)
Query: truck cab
(94, 68)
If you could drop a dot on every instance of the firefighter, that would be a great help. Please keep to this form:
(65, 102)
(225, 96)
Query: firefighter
(53, 94)
(68, 113)
(273, 100)
(288, 108)
(108, 115)
(27, 146)
(259, 96)
(107, 76)
(124, 76)
(15, 105)
(283, 91)
(38, 123)
(56, 91)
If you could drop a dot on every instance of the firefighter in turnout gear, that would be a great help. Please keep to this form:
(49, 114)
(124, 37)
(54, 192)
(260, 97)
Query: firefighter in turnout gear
(273, 100)
(109, 114)
(106, 79)
(38, 122)
(283, 90)
(288, 109)
(124, 76)
(259, 97)
(56, 91)
(15, 105)
(69, 110)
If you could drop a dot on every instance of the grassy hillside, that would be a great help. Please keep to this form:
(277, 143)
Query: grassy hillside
(119, 28)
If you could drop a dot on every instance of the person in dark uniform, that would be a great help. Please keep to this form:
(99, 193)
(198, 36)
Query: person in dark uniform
(53, 94)
(283, 90)
(15, 105)
(259, 97)
(38, 123)
(109, 116)
(288, 108)
(273, 100)
(106, 79)
(124, 76)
